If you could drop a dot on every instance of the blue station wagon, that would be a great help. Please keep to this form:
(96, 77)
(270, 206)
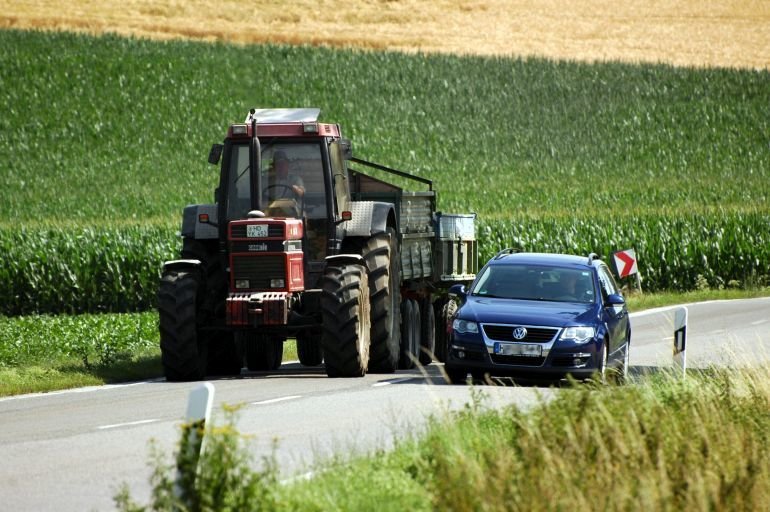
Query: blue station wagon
(539, 316)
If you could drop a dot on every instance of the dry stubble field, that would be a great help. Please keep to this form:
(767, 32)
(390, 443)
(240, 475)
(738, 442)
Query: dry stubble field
(729, 33)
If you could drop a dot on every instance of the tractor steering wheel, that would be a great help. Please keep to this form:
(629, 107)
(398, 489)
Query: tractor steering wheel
(294, 194)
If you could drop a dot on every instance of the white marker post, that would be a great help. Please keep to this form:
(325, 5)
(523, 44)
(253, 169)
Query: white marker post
(193, 440)
(680, 339)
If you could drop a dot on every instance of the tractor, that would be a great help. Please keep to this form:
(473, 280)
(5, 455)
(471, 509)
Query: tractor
(300, 243)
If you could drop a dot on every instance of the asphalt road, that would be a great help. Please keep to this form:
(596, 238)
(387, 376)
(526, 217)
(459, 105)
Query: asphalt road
(72, 450)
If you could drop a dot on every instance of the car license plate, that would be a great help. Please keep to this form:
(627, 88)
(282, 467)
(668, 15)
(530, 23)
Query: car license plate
(514, 349)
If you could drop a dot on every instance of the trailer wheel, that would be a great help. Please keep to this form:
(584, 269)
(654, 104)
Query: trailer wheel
(380, 253)
(444, 309)
(264, 353)
(410, 330)
(427, 332)
(309, 349)
(183, 346)
(345, 317)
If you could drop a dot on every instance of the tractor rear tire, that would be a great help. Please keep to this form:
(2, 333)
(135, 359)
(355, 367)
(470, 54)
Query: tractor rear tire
(213, 278)
(381, 255)
(427, 332)
(346, 320)
(309, 349)
(409, 335)
(183, 346)
(264, 353)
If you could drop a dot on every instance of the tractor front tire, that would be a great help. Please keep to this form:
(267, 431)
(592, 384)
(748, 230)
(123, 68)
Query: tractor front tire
(380, 253)
(264, 353)
(183, 346)
(309, 349)
(224, 358)
(346, 320)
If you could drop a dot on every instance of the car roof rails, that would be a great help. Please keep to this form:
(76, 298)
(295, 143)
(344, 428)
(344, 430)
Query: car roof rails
(505, 252)
(593, 256)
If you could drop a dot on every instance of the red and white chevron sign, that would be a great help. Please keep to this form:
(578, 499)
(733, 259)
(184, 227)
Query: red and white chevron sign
(625, 262)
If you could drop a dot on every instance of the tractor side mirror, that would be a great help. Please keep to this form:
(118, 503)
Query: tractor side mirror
(215, 154)
(347, 149)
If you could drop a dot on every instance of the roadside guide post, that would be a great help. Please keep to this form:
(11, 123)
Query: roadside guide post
(680, 339)
(625, 263)
(193, 440)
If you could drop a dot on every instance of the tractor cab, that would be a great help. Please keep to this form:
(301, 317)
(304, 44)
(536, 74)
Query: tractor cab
(284, 164)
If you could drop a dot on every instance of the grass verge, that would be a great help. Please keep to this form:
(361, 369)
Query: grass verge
(662, 443)
(41, 353)
(46, 353)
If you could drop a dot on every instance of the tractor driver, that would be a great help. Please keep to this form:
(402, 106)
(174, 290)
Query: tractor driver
(281, 184)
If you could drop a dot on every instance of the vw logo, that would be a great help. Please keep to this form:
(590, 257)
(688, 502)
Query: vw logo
(519, 333)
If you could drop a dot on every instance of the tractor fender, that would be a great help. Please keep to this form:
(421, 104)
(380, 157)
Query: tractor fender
(182, 265)
(192, 227)
(345, 258)
(369, 218)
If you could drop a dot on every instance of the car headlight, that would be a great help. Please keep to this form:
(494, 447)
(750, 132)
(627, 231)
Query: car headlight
(465, 326)
(578, 334)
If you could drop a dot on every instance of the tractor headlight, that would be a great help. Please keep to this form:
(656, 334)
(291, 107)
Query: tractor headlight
(239, 129)
(277, 283)
(241, 283)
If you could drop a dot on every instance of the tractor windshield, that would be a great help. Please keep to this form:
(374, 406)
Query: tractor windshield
(292, 179)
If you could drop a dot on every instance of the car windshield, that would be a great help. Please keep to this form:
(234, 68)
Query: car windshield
(535, 282)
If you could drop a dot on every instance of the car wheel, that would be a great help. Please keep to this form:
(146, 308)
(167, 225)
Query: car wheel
(601, 370)
(456, 375)
(479, 377)
(622, 375)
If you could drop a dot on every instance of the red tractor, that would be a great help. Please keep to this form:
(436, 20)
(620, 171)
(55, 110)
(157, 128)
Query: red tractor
(298, 244)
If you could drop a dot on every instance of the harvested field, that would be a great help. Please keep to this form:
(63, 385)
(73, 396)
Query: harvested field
(731, 33)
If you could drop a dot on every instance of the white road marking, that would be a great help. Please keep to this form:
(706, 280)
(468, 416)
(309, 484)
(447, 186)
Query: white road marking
(759, 322)
(128, 424)
(389, 382)
(86, 389)
(275, 400)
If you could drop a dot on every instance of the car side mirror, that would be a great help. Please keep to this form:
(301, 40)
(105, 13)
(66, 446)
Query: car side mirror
(458, 290)
(215, 154)
(615, 299)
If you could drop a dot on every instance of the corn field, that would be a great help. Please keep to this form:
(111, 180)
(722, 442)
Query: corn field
(104, 141)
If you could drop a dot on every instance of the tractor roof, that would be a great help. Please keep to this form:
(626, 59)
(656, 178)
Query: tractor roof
(283, 115)
(284, 122)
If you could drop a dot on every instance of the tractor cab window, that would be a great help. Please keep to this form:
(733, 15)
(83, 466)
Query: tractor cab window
(239, 184)
(293, 186)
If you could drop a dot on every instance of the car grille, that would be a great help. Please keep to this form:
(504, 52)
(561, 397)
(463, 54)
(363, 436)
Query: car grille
(259, 270)
(518, 360)
(534, 334)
